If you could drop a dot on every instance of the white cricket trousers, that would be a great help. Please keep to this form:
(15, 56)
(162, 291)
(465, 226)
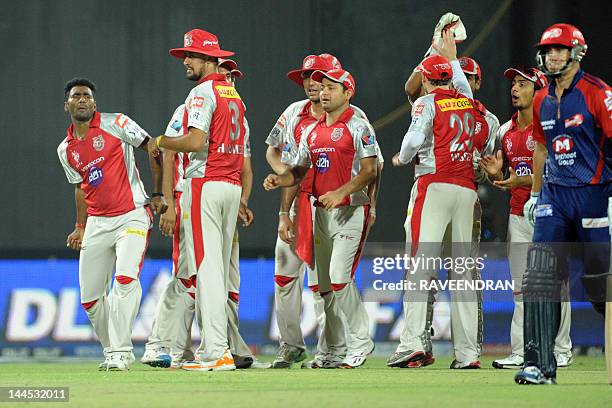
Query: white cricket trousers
(117, 243)
(433, 205)
(520, 234)
(339, 235)
(212, 208)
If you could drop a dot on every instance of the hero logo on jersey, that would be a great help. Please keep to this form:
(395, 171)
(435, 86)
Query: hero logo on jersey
(531, 144)
(522, 169)
(77, 158)
(574, 121)
(337, 134)
(98, 143)
(95, 177)
(322, 163)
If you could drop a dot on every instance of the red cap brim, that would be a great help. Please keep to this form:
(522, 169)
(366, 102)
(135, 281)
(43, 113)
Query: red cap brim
(180, 52)
(296, 76)
(237, 73)
(510, 73)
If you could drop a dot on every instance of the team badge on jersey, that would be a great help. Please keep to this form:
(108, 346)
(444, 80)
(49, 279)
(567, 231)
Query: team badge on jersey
(322, 163)
(77, 158)
(95, 176)
(98, 143)
(531, 144)
(337, 134)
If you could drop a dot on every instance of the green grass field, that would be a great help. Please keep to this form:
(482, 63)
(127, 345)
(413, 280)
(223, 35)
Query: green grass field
(583, 384)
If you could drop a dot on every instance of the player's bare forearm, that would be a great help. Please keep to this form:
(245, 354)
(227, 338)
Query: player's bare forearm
(539, 160)
(287, 197)
(155, 163)
(414, 86)
(374, 187)
(193, 141)
(366, 175)
(246, 179)
(80, 205)
(273, 156)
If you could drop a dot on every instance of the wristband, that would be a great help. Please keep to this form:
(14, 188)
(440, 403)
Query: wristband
(79, 225)
(157, 195)
(373, 211)
(535, 194)
(158, 141)
(283, 213)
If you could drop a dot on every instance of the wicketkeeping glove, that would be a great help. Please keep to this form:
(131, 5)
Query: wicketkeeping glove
(448, 20)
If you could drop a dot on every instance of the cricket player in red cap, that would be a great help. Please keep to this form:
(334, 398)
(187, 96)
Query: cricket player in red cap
(441, 137)
(341, 148)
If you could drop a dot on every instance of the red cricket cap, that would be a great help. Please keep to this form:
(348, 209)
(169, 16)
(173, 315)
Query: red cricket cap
(470, 66)
(336, 75)
(531, 74)
(321, 62)
(228, 64)
(436, 67)
(201, 42)
(236, 73)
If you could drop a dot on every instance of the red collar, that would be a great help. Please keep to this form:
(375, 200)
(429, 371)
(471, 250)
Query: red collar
(94, 123)
(343, 118)
(514, 123)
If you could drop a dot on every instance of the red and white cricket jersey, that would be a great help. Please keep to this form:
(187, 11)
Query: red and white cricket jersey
(104, 164)
(518, 146)
(448, 121)
(335, 152)
(485, 130)
(215, 107)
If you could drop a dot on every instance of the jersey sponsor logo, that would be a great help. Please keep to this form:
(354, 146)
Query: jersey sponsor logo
(95, 177)
(602, 222)
(135, 231)
(531, 144)
(227, 92)
(522, 169)
(275, 132)
(478, 127)
(548, 124)
(454, 104)
(508, 144)
(608, 101)
(281, 121)
(563, 146)
(98, 143)
(418, 109)
(313, 137)
(544, 210)
(196, 102)
(337, 134)
(230, 148)
(323, 163)
(287, 147)
(176, 125)
(367, 139)
(574, 121)
(93, 163)
(210, 43)
(76, 157)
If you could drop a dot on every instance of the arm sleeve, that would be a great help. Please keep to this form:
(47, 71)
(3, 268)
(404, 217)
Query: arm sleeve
(538, 132)
(72, 175)
(277, 135)
(128, 131)
(175, 126)
(460, 82)
(420, 127)
(603, 110)
(200, 106)
(364, 141)
(493, 123)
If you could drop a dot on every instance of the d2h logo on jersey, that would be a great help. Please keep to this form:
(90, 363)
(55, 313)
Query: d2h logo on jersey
(95, 176)
(323, 163)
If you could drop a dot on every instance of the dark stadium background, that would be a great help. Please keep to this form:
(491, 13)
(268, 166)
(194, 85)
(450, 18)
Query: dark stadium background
(123, 47)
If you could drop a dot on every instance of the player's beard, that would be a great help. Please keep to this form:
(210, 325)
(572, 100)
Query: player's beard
(83, 116)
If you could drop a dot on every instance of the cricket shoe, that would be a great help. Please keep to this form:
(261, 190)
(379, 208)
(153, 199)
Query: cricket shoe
(427, 360)
(564, 359)
(157, 357)
(404, 358)
(332, 361)
(512, 361)
(465, 365)
(260, 365)
(103, 366)
(317, 362)
(120, 361)
(225, 363)
(287, 355)
(242, 362)
(354, 360)
(533, 375)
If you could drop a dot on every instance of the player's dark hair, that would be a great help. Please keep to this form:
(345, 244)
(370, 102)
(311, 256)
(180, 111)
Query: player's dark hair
(78, 82)
(440, 82)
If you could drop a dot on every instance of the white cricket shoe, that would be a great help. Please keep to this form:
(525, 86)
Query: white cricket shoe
(157, 357)
(103, 366)
(260, 365)
(120, 361)
(564, 359)
(512, 361)
(353, 360)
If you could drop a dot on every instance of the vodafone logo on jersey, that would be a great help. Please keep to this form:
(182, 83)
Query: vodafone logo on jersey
(323, 163)
(574, 121)
(563, 144)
